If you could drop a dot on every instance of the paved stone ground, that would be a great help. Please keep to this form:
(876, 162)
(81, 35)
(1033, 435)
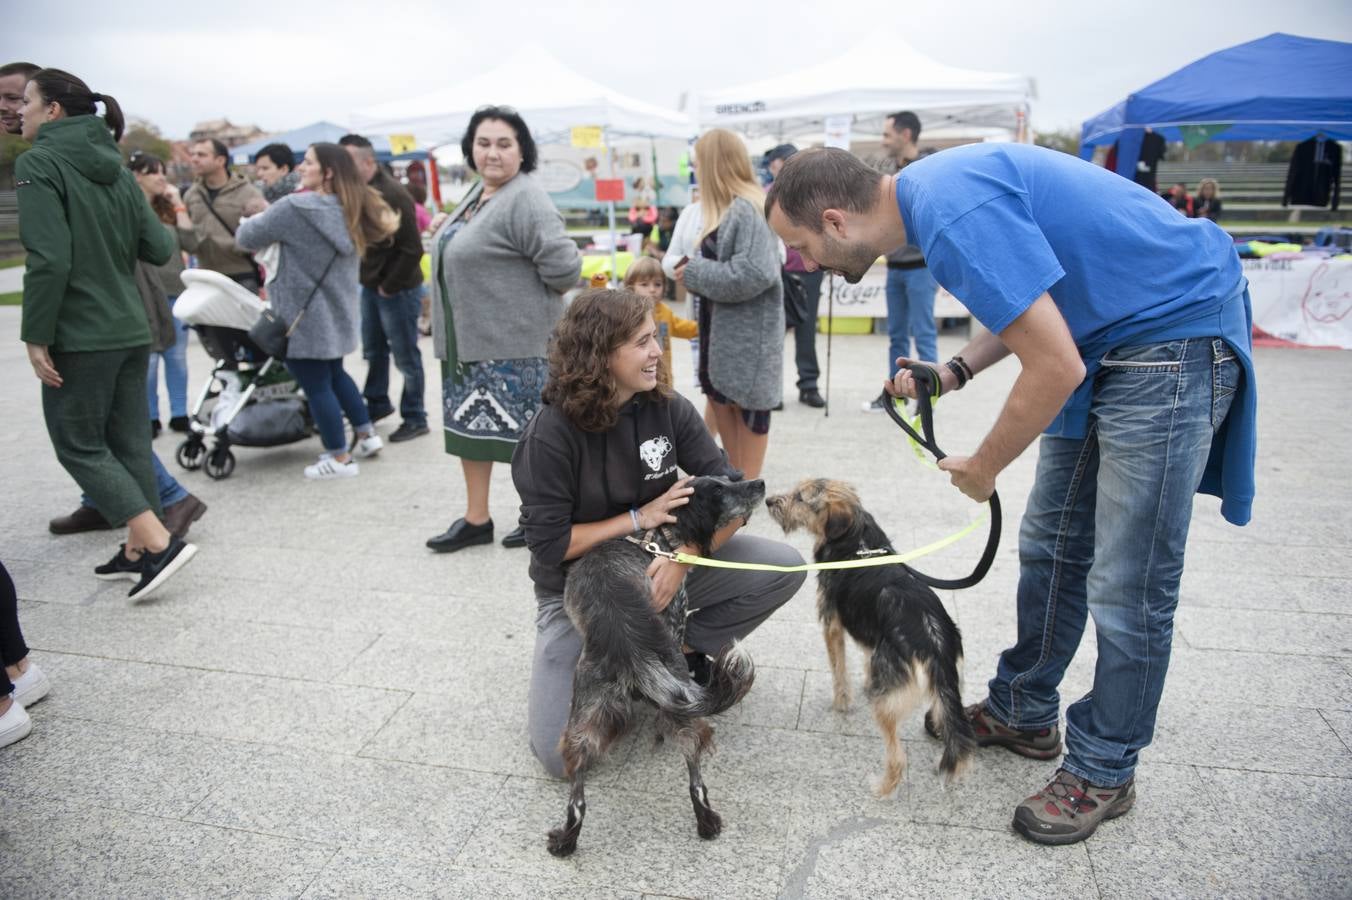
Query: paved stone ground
(319, 707)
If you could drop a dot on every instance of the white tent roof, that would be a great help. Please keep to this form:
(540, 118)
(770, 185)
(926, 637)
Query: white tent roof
(880, 75)
(551, 97)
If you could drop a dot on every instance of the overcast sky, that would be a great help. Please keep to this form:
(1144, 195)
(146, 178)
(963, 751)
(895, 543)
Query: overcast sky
(283, 65)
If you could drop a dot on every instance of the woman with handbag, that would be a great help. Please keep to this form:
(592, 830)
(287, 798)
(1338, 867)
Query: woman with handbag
(500, 265)
(323, 233)
(736, 273)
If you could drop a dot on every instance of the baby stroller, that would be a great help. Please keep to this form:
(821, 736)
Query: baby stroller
(258, 403)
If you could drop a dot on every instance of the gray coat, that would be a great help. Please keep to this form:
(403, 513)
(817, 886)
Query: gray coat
(311, 230)
(746, 307)
(504, 274)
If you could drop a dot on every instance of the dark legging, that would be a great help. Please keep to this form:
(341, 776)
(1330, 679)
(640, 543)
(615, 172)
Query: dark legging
(12, 647)
(331, 392)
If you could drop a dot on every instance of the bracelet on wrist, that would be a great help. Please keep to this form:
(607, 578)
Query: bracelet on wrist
(633, 517)
(180, 209)
(958, 372)
(968, 369)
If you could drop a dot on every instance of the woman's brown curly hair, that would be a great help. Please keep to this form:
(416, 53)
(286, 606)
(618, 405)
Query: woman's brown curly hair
(580, 383)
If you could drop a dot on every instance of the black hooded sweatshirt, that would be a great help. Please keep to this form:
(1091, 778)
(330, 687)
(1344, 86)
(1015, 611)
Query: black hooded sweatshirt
(568, 476)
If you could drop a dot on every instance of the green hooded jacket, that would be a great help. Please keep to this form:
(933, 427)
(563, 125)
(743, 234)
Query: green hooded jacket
(84, 223)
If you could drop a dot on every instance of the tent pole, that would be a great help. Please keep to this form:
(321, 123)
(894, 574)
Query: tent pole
(610, 207)
(830, 335)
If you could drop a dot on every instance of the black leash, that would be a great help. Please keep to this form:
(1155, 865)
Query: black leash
(927, 388)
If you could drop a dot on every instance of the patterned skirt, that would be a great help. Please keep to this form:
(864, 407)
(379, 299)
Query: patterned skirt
(488, 404)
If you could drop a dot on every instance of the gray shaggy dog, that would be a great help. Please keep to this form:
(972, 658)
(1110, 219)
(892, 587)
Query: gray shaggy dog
(630, 652)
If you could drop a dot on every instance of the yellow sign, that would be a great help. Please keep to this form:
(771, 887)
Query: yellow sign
(587, 136)
(402, 143)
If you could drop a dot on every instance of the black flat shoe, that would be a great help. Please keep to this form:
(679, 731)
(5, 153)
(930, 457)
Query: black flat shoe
(812, 398)
(515, 538)
(460, 535)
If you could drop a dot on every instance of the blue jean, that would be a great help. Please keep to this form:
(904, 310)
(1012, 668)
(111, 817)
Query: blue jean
(389, 326)
(171, 491)
(175, 373)
(331, 393)
(1103, 535)
(910, 314)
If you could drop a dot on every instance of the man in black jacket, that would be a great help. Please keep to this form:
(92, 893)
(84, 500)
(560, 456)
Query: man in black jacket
(391, 300)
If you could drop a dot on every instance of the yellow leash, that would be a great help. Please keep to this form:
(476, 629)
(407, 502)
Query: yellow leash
(863, 563)
(868, 558)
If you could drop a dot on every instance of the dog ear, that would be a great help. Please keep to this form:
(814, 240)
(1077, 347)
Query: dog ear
(840, 520)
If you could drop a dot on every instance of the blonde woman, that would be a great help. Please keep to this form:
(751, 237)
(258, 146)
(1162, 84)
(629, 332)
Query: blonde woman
(741, 318)
(323, 232)
(1207, 203)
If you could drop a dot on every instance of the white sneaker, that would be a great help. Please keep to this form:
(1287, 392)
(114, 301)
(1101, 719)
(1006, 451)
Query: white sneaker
(31, 686)
(368, 446)
(328, 467)
(15, 725)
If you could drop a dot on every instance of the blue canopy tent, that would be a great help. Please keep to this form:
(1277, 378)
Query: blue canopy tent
(319, 132)
(1280, 87)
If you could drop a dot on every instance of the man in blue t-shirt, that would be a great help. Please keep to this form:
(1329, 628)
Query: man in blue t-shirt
(1132, 327)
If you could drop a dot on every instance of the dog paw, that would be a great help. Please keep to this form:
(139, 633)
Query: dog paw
(841, 704)
(886, 786)
(710, 825)
(561, 843)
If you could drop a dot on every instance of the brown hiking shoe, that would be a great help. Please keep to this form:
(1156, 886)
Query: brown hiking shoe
(85, 518)
(1069, 809)
(1038, 743)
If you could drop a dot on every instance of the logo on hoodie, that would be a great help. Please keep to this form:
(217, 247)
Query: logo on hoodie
(653, 451)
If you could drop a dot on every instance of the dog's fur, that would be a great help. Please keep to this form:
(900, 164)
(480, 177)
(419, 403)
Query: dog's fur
(915, 647)
(631, 652)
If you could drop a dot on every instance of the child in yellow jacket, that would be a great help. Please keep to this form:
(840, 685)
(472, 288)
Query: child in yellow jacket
(645, 277)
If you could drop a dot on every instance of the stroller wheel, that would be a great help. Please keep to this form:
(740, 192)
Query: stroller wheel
(219, 464)
(190, 454)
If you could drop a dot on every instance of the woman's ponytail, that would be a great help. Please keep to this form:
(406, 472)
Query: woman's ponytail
(75, 97)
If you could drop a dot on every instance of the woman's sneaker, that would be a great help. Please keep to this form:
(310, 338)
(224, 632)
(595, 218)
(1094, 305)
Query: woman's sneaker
(158, 568)
(31, 686)
(15, 725)
(368, 446)
(328, 468)
(119, 567)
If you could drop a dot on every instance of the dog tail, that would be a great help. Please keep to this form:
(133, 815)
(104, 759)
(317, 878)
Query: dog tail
(951, 721)
(730, 678)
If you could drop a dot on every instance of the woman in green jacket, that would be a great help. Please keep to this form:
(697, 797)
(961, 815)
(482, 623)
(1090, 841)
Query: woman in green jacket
(84, 224)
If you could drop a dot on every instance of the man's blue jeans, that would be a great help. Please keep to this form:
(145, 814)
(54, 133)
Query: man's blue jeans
(1103, 534)
(175, 373)
(171, 491)
(910, 314)
(389, 327)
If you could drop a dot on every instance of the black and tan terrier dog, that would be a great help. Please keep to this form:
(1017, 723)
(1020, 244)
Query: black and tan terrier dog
(915, 649)
(630, 652)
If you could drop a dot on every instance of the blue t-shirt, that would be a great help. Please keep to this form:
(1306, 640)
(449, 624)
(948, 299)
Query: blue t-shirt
(1002, 224)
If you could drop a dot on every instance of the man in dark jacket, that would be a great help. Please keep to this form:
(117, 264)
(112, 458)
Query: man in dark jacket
(391, 301)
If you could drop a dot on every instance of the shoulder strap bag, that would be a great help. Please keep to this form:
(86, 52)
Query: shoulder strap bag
(270, 334)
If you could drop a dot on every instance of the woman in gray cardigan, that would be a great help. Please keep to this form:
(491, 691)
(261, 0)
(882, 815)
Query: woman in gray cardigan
(741, 322)
(316, 288)
(500, 265)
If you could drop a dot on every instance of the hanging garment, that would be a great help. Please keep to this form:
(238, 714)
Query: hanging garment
(1315, 172)
(1152, 151)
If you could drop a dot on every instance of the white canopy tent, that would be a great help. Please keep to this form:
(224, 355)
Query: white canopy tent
(551, 97)
(880, 75)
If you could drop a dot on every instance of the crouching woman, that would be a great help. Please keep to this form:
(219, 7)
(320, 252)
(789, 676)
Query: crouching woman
(601, 461)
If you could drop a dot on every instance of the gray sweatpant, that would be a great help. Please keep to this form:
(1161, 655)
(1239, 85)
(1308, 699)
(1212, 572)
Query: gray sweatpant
(725, 604)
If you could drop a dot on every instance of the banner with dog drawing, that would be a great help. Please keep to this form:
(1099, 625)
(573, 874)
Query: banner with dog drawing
(1304, 300)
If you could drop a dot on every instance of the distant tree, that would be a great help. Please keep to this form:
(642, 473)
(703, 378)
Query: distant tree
(1065, 141)
(144, 136)
(11, 145)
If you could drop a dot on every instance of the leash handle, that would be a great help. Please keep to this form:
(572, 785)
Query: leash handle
(927, 390)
